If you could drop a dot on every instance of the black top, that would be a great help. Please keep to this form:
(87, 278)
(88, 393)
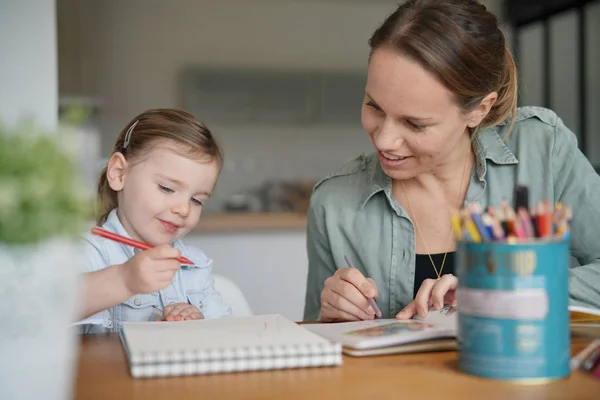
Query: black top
(424, 269)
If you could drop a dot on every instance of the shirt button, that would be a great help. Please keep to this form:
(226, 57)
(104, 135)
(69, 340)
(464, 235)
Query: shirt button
(137, 302)
(200, 304)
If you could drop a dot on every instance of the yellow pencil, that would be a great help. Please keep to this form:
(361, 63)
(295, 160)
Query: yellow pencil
(471, 227)
(456, 227)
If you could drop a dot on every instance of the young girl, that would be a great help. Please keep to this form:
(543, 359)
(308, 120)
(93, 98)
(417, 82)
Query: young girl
(164, 166)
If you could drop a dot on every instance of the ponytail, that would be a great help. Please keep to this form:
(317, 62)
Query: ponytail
(506, 104)
(107, 199)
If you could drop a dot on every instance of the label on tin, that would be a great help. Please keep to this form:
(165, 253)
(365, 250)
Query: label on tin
(506, 304)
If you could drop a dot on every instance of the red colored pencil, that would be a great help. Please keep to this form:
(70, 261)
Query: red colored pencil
(131, 242)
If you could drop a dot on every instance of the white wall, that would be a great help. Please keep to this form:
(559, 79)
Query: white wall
(28, 61)
(132, 52)
(270, 268)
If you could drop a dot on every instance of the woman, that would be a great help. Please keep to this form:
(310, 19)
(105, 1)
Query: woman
(440, 109)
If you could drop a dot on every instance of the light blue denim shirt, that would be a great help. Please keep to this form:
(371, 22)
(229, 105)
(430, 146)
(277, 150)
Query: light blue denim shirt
(354, 213)
(191, 284)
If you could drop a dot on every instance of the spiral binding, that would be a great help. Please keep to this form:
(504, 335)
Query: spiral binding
(235, 359)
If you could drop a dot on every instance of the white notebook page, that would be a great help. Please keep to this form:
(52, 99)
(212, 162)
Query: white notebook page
(255, 331)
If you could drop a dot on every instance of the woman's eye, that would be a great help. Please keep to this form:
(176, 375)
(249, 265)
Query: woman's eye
(414, 126)
(165, 189)
(373, 105)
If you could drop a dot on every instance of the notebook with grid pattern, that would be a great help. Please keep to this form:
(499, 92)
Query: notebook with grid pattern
(224, 345)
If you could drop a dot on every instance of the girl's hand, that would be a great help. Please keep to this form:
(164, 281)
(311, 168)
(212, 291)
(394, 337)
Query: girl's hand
(432, 293)
(150, 270)
(181, 312)
(344, 296)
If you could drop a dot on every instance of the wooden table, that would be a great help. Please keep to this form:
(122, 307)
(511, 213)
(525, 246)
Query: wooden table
(103, 374)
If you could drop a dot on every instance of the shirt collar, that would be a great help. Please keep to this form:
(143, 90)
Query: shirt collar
(113, 224)
(487, 145)
(378, 180)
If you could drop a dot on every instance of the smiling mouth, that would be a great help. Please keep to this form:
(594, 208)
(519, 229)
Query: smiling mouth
(392, 157)
(170, 227)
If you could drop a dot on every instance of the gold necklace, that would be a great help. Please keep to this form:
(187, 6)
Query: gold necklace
(439, 274)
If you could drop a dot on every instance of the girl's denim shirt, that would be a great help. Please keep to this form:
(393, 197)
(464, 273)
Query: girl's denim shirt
(192, 284)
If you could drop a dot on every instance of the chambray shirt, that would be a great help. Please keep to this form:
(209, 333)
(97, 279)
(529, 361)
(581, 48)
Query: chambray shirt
(192, 284)
(354, 213)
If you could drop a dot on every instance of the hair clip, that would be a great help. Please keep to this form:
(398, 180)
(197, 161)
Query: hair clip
(128, 134)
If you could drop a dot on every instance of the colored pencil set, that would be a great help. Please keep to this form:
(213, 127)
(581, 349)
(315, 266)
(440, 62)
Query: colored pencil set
(512, 225)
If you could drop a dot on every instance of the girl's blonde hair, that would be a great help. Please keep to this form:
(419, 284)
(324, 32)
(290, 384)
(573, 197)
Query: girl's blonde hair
(192, 138)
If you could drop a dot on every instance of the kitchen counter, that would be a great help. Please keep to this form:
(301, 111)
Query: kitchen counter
(243, 222)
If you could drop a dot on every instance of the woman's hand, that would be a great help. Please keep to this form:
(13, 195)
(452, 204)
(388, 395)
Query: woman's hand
(434, 294)
(181, 312)
(344, 296)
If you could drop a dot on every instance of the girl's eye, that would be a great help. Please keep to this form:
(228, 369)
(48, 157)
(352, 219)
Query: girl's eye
(414, 126)
(165, 189)
(197, 202)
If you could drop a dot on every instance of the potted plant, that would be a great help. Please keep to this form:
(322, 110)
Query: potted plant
(42, 212)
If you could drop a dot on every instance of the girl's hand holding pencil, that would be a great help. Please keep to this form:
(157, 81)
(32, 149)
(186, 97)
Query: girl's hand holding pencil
(150, 270)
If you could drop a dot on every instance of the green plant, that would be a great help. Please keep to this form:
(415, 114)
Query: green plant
(40, 196)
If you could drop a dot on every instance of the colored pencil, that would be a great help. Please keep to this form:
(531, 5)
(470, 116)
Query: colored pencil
(131, 242)
(477, 220)
(470, 227)
(456, 228)
(584, 354)
(503, 223)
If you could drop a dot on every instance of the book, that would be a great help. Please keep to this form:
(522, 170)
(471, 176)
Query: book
(584, 321)
(435, 332)
(223, 345)
(583, 314)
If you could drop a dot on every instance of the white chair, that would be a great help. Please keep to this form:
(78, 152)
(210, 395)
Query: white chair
(233, 296)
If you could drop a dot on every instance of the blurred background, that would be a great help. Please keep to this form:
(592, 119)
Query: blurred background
(280, 83)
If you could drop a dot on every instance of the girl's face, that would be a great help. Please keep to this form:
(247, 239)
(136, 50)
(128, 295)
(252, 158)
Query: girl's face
(411, 118)
(161, 196)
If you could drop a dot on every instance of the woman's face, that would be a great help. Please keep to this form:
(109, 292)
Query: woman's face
(411, 118)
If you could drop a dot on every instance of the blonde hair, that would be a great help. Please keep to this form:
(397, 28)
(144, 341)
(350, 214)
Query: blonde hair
(139, 136)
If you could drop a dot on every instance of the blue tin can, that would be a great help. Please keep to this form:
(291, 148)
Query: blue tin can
(513, 317)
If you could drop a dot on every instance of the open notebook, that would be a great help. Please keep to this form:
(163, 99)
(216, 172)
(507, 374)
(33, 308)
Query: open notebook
(435, 332)
(223, 345)
(585, 321)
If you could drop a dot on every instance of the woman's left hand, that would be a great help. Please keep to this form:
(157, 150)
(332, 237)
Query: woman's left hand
(181, 312)
(433, 293)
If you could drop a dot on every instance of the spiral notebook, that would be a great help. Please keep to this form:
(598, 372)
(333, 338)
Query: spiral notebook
(223, 345)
